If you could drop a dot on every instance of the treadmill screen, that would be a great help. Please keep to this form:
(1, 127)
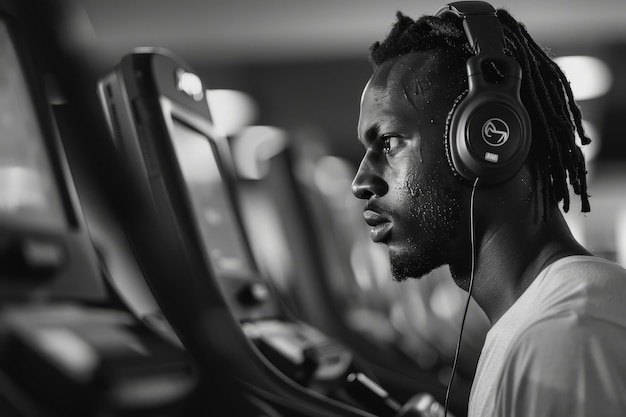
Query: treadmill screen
(28, 192)
(222, 237)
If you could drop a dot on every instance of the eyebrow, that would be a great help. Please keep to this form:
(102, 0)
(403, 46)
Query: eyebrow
(371, 134)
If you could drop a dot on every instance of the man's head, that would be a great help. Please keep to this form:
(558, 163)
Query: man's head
(415, 202)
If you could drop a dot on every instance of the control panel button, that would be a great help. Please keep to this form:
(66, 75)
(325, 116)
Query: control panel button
(34, 256)
(254, 294)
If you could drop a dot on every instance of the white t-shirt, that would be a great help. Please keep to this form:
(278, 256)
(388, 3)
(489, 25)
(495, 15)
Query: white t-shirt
(560, 350)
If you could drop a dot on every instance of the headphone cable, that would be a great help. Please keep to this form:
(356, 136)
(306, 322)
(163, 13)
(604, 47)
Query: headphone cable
(469, 297)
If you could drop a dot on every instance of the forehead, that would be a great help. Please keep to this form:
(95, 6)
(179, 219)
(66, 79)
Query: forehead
(412, 86)
(417, 70)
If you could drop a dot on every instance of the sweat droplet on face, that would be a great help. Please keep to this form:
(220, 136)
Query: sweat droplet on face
(414, 192)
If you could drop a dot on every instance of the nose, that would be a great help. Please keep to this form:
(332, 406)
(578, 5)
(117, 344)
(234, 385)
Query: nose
(367, 183)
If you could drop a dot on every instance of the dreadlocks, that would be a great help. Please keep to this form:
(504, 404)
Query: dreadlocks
(545, 92)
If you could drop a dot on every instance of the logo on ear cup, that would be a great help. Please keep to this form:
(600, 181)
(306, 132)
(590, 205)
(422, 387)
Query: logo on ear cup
(495, 132)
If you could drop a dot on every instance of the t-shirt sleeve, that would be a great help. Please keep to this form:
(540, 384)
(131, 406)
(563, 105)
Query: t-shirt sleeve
(565, 366)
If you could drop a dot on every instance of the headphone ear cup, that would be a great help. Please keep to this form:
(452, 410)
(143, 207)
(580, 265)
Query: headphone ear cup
(487, 136)
(449, 134)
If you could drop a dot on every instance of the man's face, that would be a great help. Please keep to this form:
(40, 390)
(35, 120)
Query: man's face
(414, 203)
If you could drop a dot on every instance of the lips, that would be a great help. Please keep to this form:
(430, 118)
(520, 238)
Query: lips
(381, 227)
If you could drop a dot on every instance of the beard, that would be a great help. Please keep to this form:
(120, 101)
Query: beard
(421, 240)
(406, 264)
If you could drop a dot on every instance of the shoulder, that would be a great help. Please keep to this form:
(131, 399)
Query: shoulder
(563, 365)
(582, 265)
(588, 285)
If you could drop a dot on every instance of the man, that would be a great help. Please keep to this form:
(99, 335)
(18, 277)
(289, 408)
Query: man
(558, 314)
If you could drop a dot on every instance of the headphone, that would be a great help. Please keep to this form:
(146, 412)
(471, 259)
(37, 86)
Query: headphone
(488, 132)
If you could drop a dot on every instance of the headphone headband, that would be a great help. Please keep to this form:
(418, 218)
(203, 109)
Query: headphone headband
(481, 24)
(465, 8)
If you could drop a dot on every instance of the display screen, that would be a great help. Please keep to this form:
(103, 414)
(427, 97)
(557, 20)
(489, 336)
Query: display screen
(28, 192)
(213, 211)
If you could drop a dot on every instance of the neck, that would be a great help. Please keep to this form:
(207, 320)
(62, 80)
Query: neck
(511, 254)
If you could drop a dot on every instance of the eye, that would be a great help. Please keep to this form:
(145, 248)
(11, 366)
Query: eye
(390, 143)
